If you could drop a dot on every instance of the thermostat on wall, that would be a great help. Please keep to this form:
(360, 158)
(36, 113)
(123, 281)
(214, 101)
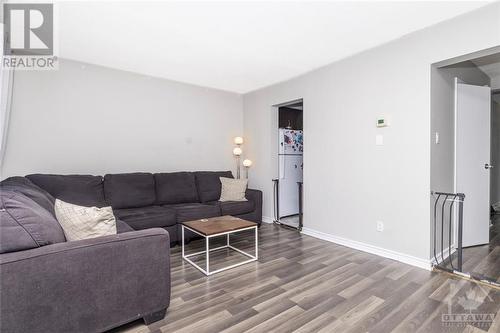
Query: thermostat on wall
(382, 121)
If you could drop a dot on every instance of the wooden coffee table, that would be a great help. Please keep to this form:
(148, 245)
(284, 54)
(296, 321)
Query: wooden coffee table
(214, 227)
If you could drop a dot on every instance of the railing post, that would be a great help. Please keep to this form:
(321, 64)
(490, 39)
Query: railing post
(276, 200)
(461, 197)
(300, 206)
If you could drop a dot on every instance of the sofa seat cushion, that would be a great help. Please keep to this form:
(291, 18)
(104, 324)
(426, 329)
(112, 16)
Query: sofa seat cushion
(147, 217)
(209, 185)
(26, 187)
(194, 211)
(236, 207)
(129, 190)
(175, 187)
(83, 190)
(25, 225)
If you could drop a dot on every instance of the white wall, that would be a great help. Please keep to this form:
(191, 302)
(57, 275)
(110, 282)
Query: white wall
(349, 182)
(91, 119)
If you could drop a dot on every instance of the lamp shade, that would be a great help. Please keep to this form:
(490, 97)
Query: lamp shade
(238, 140)
(237, 151)
(247, 163)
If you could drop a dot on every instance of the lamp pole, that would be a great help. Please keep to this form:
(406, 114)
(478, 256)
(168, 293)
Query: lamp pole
(237, 153)
(237, 166)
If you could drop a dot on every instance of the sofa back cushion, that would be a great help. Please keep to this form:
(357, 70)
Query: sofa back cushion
(175, 187)
(129, 190)
(25, 225)
(26, 187)
(209, 185)
(83, 190)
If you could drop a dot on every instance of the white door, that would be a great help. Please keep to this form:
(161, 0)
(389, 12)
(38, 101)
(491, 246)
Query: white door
(472, 111)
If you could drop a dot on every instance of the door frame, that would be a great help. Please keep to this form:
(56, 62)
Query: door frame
(275, 141)
(437, 65)
(456, 81)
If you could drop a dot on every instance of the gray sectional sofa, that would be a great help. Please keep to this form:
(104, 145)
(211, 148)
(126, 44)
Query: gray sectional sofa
(146, 200)
(50, 285)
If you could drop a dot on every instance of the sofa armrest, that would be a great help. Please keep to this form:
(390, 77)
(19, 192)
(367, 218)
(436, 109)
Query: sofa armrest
(256, 197)
(85, 286)
(253, 195)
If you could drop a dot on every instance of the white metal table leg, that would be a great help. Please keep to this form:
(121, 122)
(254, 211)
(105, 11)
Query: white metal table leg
(256, 244)
(207, 249)
(182, 241)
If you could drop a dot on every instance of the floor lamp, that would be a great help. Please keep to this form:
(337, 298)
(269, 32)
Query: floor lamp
(237, 153)
(247, 164)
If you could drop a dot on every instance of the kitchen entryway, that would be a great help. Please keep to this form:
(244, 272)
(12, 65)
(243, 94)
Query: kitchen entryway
(289, 181)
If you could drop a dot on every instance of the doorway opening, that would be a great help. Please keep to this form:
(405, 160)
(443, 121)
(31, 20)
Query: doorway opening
(288, 207)
(465, 156)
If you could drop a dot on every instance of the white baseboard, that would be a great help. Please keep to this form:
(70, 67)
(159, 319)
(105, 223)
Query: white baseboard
(446, 254)
(402, 257)
(267, 219)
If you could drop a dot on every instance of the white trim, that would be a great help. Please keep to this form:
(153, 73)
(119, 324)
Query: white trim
(456, 81)
(402, 257)
(267, 219)
(446, 253)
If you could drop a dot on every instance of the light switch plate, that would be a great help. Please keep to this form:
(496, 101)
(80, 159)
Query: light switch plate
(379, 140)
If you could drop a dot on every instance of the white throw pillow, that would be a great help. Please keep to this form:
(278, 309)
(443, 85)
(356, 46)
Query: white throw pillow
(233, 189)
(79, 222)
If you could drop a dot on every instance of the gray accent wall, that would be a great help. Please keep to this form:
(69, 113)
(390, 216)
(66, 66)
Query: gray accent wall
(349, 182)
(95, 120)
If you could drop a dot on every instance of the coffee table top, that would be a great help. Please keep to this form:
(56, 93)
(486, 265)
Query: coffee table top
(219, 224)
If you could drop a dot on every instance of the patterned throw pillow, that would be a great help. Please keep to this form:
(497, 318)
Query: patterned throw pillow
(233, 189)
(79, 222)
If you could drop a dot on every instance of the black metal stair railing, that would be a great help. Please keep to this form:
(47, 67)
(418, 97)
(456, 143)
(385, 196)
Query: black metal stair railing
(276, 202)
(276, 208)
(443, 199)
(301, 206)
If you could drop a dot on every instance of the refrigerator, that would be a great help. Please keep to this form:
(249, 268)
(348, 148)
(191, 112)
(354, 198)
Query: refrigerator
(291, 147)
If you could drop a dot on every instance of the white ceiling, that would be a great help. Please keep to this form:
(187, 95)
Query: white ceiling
(236, 46)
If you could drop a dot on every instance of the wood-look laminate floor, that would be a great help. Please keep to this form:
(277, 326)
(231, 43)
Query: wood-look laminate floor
(483, 260)
(303, 284)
